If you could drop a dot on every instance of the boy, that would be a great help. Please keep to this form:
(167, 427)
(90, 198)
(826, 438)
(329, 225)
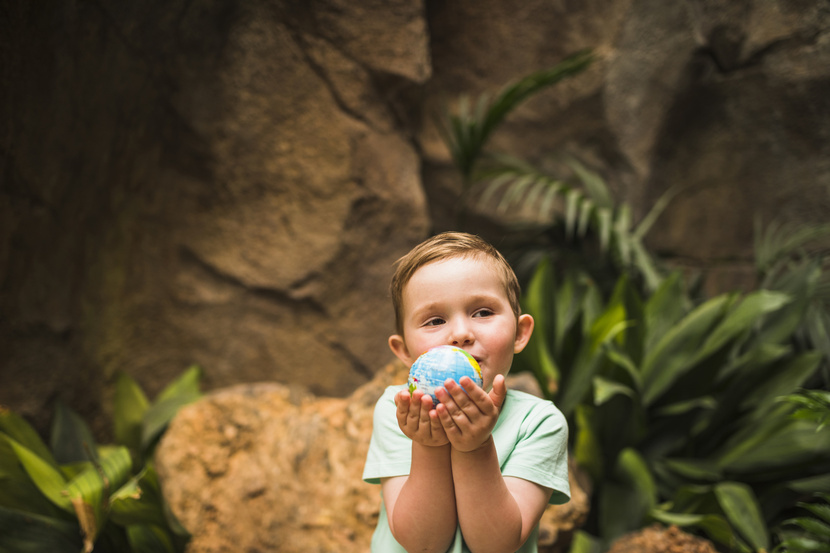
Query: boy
(476, 472)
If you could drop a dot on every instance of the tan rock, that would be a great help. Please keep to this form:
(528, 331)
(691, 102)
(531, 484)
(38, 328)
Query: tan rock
(267, 467)
(659, 539)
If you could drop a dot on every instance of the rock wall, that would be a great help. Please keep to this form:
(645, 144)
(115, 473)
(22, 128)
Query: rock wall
(214, 182)
(228, 183)
(727, 100)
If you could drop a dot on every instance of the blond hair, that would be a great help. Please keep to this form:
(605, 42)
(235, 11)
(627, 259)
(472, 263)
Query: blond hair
(450, 245)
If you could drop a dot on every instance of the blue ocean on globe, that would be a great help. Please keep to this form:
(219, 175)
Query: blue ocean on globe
(432, 369)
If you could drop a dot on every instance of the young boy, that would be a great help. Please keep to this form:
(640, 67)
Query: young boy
(476, 472)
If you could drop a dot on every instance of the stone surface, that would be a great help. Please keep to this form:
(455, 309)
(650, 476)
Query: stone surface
(228, 183)
(728, 101)
(268, 467)
(659, 539)
(211, 182)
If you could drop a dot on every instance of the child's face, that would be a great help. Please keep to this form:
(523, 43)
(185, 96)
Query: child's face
(461, 302)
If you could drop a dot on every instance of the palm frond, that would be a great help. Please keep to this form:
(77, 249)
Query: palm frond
(466, 131)
(779, 241)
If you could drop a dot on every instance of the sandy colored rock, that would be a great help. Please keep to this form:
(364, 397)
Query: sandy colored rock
(659, 539)
(267, 467)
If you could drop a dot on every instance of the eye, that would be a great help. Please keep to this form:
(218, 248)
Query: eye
(483, 313)
(435, 322)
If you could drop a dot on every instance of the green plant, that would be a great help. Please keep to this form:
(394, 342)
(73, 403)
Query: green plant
(77, 495)
(673, 400)
(675, 405)
(570, 209)
(813, 532)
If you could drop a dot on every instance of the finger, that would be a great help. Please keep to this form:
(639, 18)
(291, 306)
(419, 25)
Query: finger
(426, 407)
(435, 425)
(458, 393)
(447, 422)
(499, 391)
(414, 406)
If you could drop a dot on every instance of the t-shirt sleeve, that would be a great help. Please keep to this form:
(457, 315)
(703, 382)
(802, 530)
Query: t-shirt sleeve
(541, 454)
(390, 451)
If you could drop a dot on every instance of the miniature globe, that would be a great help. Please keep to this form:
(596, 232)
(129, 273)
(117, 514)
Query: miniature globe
(432, 369)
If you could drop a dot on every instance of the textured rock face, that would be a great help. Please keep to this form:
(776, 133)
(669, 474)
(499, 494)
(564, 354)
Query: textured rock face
(728, 100)
(211, 182)
(659, 539)
(264, 467)
(228, 183)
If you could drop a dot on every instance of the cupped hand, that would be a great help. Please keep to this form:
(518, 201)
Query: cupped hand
(467, 413)
(418, 420)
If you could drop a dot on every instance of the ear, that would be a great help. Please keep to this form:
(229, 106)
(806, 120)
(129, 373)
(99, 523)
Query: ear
(398, 347)
(524, 328)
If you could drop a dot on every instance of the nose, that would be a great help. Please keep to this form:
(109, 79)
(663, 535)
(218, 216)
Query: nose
(460, 334)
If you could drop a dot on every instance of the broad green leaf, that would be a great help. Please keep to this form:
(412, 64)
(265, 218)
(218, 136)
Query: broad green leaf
(139, 501)
(605, 389)
(775, 443)
(148, 538)
(819, 510)
(604, 223)
(622, 360)
(742, 318)
(89, 491)
(16, 427)
(45, 476)
(537, 302)
(622, 225)
(785, 381)
(695, 469)
(585, 543)
(183, 388)
(664, 309)
(17, 491)
(71, 438)
(645, 265)
(606, 327)
(592, 182)
(628, 498)
(679, 348)
(741, 507)
(586, 208)
(569, 303)
(572, 199)
(756, 356)
(129, 406)
(25, 532)
(715, 526)
(813, 526)
(683, 407)
(820, 483)
(178, 393)
(587, 449)
(801, 544)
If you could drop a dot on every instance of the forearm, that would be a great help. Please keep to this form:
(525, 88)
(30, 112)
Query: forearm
(488, 514)
(424, 513)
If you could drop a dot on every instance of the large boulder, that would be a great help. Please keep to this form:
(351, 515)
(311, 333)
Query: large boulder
(269, 467)
(661, 539)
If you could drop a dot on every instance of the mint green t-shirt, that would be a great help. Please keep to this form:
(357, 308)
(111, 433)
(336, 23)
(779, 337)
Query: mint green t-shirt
(531, 438)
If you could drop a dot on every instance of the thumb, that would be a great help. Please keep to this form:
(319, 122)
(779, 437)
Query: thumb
(499, 391)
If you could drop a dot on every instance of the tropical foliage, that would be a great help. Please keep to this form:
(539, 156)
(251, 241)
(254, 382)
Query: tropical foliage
(708, 413)
(76, 495)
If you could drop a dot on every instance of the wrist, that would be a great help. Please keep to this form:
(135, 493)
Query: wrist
(485, 447)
